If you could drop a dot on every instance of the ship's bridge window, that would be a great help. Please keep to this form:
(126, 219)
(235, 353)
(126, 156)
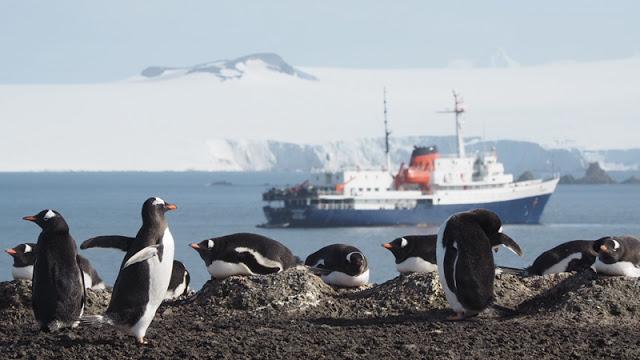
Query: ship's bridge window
(368, 189)
(376, 189)
(359, 189)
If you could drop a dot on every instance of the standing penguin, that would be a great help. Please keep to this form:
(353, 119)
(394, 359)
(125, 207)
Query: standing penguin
(23, 259)
(58, 290)
(340, 265)
(24, 256)
(243, 254)
(465, 259)
(414, 253)
(144, 274)
(619, 255)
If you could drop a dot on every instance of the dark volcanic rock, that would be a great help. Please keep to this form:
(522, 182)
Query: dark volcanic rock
(594, 175)
(293, 314)
(526, 176)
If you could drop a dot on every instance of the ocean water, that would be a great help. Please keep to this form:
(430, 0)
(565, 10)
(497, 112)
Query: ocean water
(109, 203)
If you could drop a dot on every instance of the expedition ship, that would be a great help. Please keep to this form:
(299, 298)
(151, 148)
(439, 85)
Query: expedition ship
(426, 192)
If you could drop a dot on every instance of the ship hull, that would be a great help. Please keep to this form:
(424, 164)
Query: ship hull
(526, 210)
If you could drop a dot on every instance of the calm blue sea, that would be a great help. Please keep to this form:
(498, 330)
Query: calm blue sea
(109, 203)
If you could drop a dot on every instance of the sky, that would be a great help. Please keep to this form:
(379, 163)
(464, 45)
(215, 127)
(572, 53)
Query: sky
(96, 41)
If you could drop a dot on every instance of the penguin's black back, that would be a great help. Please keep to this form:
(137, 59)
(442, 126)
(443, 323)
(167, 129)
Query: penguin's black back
(473, 262)
(225, 245)
(555, 255)
(423, 246)
(131, 288)
(335, 258)
(58, 292)
(86, 267)
(178, 274)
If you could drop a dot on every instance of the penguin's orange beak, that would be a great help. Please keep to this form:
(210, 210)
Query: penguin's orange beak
(387, 246)
(30, 218)
(195, 246)
(11, 252)
(170, 206)
(604, 248)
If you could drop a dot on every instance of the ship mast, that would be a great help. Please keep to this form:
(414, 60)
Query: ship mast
(458, 109)
(386, 130)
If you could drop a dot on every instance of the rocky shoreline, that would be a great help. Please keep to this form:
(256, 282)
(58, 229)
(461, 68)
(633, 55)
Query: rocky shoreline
(293, 314)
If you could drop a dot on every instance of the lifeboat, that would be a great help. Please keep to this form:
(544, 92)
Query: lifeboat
(421, 166)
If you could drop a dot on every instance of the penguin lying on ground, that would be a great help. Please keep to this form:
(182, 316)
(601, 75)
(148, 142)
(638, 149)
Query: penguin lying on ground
(24, 257)
(145, 272)
(465, 259)
(576, 255)
(179, 284)
(243, 254)
(340, 265)
(414, 253)
(58, 295)
(619, 255)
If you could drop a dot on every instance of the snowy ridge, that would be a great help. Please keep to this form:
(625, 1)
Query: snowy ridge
(367, 153)
(230, 69)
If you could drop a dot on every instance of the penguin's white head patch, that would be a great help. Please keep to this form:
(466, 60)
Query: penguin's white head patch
(27, 249)
(616, 245)
(403, 242)
(500, 230)
(210, 244)
(157, 201)
(48, 215)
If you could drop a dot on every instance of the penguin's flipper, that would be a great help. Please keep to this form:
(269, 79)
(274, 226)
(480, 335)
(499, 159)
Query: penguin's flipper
(108, 241)
(510, 244)
(84, 286)
(511, 270)
(144, 254)
(319, 270)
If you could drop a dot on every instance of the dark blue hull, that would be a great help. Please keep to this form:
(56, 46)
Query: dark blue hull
(519, 211)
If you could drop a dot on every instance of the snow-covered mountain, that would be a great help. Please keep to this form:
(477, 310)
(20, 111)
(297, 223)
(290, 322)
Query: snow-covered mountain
(230, 69)
(169, 119)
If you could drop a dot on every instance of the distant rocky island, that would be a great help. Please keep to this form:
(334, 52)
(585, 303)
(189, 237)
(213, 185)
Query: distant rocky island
(595, 175)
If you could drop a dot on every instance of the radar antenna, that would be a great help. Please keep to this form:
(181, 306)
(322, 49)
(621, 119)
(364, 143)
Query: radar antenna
(386, 130)
(458, 109)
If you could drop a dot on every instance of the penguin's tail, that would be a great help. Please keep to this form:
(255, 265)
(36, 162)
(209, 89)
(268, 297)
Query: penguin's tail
(96, 320)
(512, 270)
(318, 270)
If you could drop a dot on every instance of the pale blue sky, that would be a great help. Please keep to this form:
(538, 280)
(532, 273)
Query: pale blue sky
(89, 41)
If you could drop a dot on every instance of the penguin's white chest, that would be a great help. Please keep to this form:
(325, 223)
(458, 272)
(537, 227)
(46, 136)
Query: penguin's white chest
(452, 298)
(338, 278)
(416, 264)
(620, 268)
(22, 273)
(159, 278)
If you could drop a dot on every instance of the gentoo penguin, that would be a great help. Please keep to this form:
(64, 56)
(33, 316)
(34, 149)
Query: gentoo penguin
(414, 253)
(340, 265)
(243, 254)
(465, 259)
(619, 255)
(144, 274)
(58, 291)
(179, 284)
(23, 259)
(576, 255)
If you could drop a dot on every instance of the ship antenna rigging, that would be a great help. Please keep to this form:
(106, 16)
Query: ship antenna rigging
(458, 109)
(386, 130)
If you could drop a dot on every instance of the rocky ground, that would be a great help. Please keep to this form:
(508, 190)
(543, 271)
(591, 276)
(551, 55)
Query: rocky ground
(295, 315)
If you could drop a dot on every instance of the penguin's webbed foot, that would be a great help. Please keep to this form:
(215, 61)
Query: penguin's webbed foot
(457, 317)
(141, 341)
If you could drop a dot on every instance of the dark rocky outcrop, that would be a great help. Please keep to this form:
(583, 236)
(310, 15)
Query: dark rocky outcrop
(594, 175)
